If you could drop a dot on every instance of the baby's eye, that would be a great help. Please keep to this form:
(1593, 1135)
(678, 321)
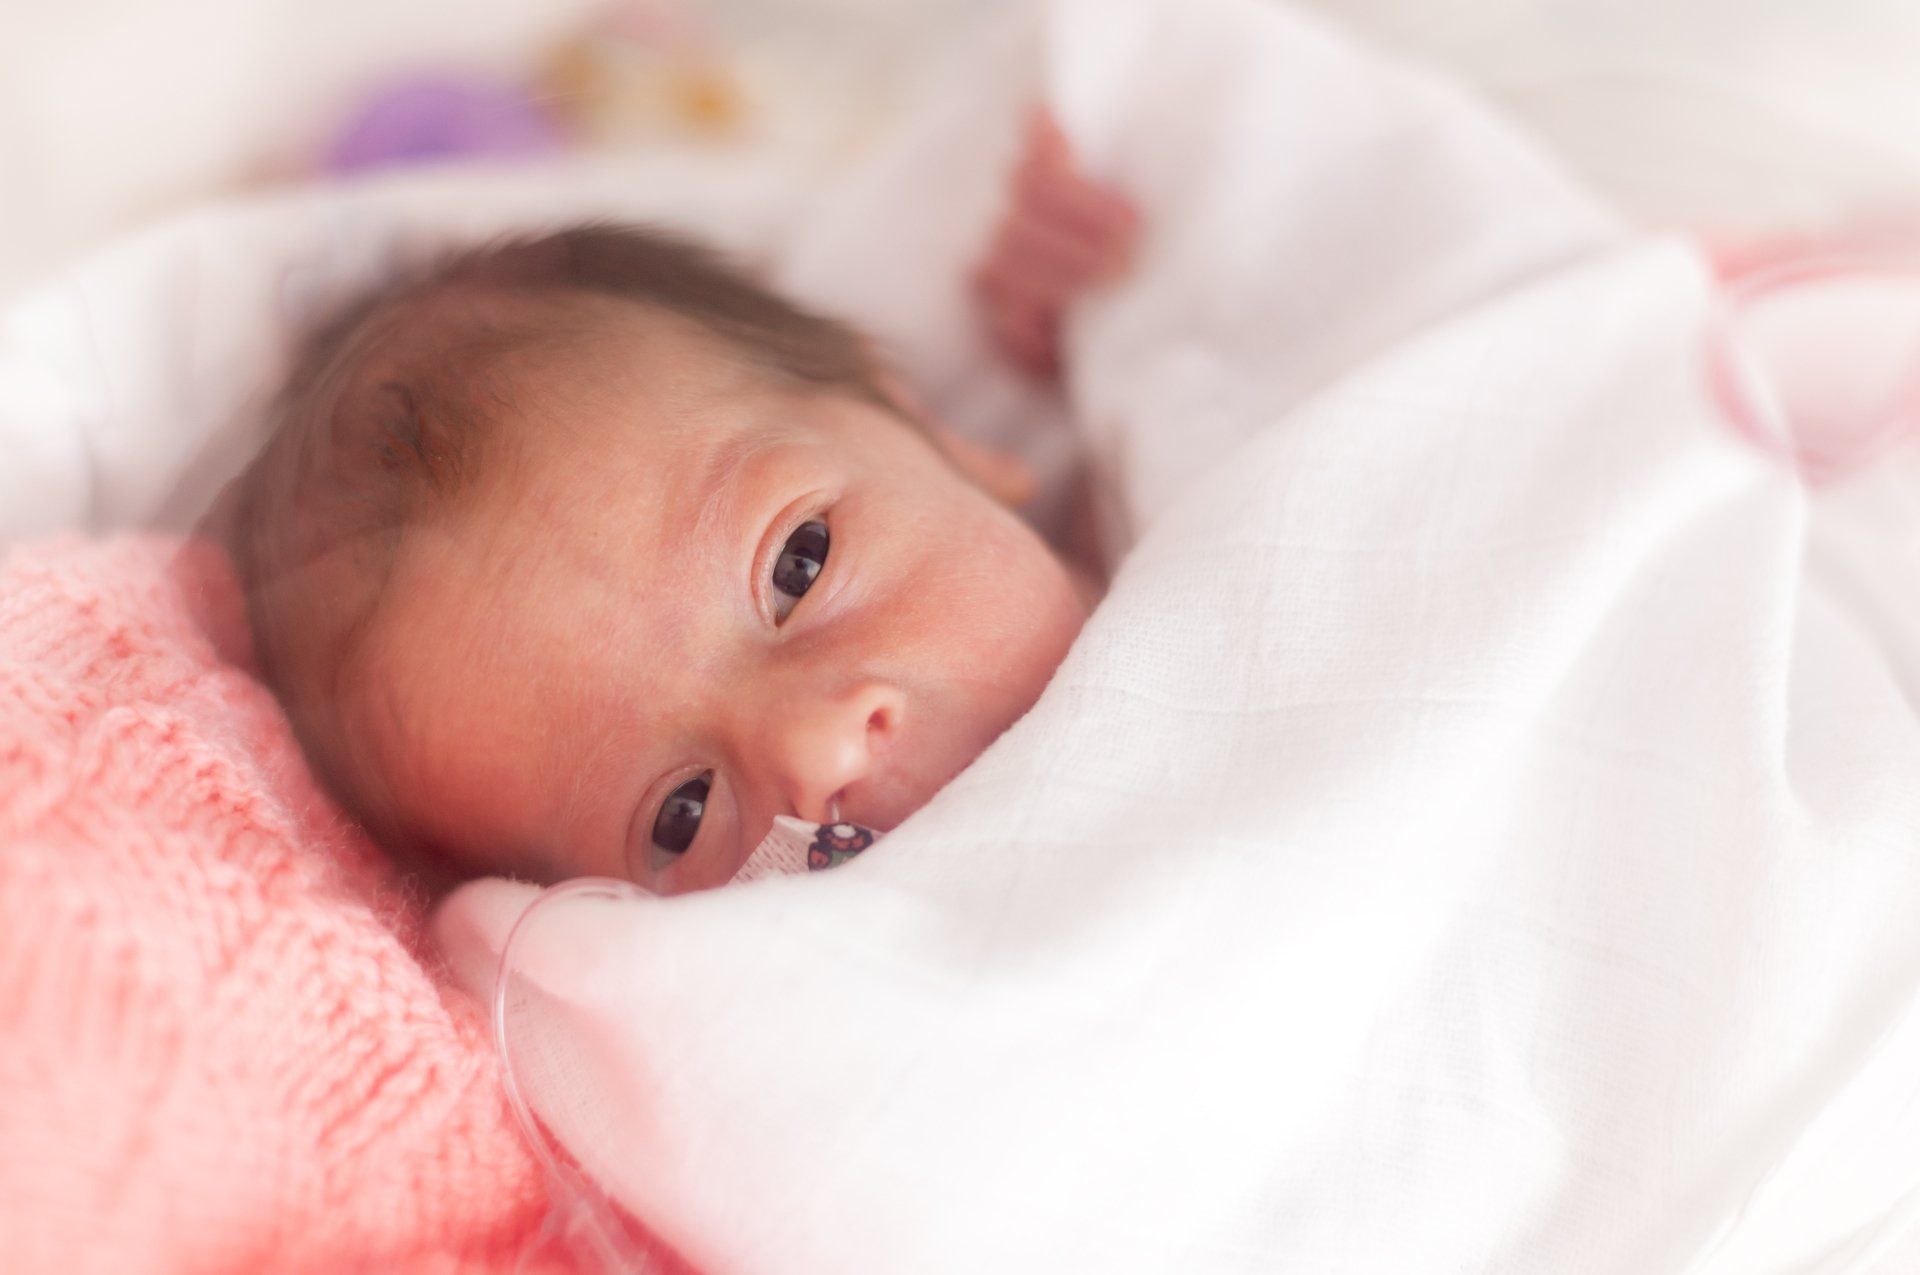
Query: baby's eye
(798, 565)
(678, 822)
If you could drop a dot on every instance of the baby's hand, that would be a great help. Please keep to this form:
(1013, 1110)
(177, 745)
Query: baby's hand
(1060, 235)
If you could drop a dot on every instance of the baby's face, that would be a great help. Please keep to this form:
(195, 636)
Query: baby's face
(692, 602)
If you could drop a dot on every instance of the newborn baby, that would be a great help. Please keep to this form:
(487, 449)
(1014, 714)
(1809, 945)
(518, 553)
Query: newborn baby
(586, 555)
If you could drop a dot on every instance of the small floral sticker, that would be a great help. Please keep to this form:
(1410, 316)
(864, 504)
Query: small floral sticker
(835, 843)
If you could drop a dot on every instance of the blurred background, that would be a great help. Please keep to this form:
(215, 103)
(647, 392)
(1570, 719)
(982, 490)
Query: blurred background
(1738, 117)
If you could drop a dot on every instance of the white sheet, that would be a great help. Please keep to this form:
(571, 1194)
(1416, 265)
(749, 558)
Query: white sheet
(1753, 118)
(1713, 114)
(1477, 832)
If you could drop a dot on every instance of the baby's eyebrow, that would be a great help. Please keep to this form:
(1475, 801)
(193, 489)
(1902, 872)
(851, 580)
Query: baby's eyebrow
(718, 484)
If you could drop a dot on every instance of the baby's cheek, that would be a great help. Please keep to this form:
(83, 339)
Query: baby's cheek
(1020, 614)
(978, 601)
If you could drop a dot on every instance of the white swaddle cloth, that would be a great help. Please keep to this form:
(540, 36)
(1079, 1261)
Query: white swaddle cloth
(584, 1222)
(1476, 832)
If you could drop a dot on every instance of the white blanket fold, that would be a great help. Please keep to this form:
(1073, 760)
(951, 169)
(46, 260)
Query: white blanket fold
(1477, 832)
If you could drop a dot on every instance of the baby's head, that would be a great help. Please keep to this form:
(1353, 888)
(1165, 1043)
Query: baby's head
(585, 555)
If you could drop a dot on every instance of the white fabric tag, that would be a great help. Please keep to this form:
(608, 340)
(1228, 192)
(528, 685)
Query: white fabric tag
(794, 846)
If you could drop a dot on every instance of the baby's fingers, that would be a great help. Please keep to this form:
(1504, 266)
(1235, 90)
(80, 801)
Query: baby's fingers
(1059, 235)
(1025, 321)
(1049, 188)
(1048, 259)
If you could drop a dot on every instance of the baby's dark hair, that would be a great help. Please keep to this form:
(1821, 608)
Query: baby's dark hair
(394, 407)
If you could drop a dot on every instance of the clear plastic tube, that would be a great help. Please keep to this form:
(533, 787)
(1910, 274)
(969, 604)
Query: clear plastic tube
(583, 1221)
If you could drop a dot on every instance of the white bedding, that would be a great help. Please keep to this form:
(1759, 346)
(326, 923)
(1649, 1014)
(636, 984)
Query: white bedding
(1704, 113)
(1479, 831)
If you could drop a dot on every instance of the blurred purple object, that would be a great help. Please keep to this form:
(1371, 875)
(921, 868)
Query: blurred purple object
(424, 118)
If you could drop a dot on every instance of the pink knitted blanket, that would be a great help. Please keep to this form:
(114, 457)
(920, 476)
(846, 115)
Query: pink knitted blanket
(224, 1043)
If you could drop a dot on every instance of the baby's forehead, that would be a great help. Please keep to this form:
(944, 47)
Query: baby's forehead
(532, 374)
(530, 337)
(663, 461)
(659, 389)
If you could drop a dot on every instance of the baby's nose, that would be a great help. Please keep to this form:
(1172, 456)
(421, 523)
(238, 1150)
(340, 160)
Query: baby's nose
(831, 744)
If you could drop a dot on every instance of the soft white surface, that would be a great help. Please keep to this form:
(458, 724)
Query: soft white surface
(112, 111)
(1714, 112)
(116, 112)
(1743, 115)
(1478, 831)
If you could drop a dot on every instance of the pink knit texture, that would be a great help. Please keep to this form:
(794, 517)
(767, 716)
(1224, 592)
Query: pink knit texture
(224, 1042)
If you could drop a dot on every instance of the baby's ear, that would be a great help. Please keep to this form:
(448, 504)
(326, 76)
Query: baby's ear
(1008, 479)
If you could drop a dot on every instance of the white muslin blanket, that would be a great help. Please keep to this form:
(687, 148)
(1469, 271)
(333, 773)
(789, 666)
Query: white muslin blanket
(1479, 831)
